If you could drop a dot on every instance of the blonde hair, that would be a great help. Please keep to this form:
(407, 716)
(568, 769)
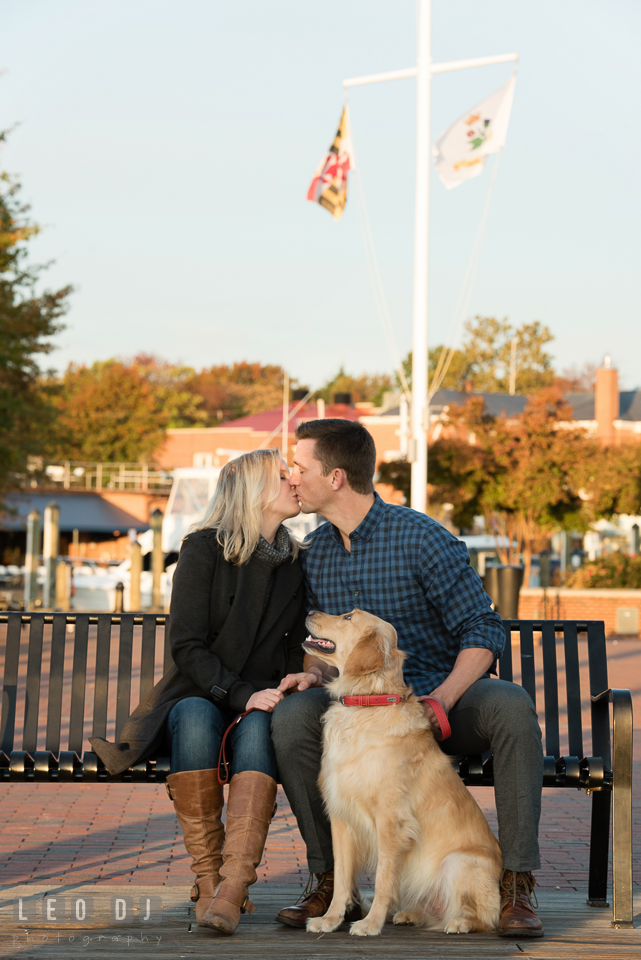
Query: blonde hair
(246, 486)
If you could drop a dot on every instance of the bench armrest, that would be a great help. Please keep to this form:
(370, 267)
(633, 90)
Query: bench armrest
(621, 701)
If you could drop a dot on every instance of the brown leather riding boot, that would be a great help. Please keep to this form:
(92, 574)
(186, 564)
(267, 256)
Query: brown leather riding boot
(252, 797)
(518, 918)
(198, 802)
(315, 903)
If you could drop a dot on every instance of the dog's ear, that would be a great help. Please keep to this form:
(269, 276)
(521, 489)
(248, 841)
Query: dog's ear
(366, 657)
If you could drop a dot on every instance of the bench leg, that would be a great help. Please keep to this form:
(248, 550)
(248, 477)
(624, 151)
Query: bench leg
(599, 849)
(622, 808)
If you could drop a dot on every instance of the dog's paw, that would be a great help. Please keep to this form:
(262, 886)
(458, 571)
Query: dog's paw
(324, 924)
(409, 917)
(459, 925)
(365, 928)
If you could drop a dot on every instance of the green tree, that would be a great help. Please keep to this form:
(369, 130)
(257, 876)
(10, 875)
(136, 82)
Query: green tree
(367, 387)
(28, 320)
(482, 363)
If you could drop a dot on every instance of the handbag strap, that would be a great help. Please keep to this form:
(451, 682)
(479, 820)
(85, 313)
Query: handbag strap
(222, 756)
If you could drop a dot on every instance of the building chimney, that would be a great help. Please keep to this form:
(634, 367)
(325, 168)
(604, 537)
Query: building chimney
(606, 401)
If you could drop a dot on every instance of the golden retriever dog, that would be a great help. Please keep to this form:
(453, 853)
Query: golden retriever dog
(394, 798)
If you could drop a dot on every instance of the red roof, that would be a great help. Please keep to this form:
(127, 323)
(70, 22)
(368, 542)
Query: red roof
(269, 420)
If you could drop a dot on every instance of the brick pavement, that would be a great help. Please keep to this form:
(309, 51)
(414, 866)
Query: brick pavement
(120, 833)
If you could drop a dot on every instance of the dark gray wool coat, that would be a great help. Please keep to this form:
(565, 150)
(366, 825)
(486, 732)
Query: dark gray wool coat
(224, 648)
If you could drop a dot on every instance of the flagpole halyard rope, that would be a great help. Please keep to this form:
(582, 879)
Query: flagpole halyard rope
(373, 270)
(447, 354)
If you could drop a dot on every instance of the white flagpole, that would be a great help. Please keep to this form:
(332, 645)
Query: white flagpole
(419, 423)
(420, 407)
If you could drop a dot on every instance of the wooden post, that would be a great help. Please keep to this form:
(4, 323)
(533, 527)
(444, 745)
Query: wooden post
(63, 585)
(51, 549)
(120, 598)
(157, 559)
(135, 603)
(31, 560)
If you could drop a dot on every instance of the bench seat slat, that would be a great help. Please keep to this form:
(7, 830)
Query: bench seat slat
(34, 668)
(56, 680)
(78, 684)
(551, 690)
(147, 657)
(598, 684)
(505, 661)
(101, 691)
(123, 702)
(573, 689)
(528, 674)
(10, 684)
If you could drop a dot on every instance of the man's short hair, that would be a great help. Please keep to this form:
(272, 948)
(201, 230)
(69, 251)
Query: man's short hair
(344, 445)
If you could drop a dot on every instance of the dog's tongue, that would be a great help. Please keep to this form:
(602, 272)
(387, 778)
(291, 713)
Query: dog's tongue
(320, 643)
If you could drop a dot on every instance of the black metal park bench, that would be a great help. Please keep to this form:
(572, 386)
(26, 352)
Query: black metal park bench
(79, 672)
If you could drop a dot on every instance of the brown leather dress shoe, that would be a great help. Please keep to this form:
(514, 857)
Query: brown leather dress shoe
(315, 903)
(518, 918)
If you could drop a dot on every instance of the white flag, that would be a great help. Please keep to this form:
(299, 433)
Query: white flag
(460, 152)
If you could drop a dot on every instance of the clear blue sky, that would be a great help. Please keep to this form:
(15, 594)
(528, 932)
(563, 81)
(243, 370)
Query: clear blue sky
(167, 148)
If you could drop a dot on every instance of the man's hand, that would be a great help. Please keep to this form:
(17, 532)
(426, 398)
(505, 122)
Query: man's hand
(300, 681)
(264, 700)
(471, 664)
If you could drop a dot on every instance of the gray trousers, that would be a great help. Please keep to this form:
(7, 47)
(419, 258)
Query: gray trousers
(492, 715)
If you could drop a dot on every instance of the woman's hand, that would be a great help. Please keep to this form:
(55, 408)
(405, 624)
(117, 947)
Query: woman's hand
(264, 700)
(300, 681)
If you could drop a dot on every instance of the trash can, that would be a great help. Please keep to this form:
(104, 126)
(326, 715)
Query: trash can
(491, 585)
(510, 580)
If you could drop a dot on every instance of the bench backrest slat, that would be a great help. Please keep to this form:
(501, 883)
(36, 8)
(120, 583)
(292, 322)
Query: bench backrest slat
(599, 683)
(101, 683)
(10, 685)
(573, 689)
(56, 682)
(147, 657)
(528, 673)
(123, 695)
(78, 683)
(32, 702)
(505, 662)
(551, 690)
(168, 660)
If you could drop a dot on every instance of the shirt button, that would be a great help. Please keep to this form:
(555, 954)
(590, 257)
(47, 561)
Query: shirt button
(355, 593)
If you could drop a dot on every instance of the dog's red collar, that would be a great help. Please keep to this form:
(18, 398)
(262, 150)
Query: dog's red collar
(372, 700)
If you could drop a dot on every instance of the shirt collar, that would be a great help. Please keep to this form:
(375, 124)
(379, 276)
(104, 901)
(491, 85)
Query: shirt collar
(368, 524)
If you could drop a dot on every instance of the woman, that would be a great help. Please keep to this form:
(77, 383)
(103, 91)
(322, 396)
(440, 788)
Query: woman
(236, 628)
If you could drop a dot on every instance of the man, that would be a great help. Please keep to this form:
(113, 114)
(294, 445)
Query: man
(405, 568)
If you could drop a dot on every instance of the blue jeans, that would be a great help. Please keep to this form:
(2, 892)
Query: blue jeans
(195, 728)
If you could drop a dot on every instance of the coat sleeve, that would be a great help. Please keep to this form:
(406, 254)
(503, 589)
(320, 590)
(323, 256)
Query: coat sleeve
(189, 626)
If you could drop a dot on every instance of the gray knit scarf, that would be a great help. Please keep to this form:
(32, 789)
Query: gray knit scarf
(277, 552)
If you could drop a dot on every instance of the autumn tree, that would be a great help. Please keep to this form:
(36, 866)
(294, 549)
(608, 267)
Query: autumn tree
(367, 387)
(172, 384)
(28, 319)
(109, 412)
(239, 390)
(577, 379)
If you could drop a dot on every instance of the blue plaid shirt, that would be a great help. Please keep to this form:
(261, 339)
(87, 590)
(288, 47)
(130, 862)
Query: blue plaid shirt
(407, 569)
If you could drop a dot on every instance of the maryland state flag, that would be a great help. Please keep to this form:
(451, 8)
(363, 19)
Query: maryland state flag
(329, 186)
